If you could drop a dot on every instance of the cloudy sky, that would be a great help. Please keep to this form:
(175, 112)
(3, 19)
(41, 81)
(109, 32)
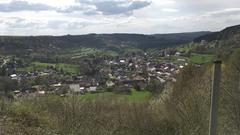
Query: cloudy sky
(60, 17)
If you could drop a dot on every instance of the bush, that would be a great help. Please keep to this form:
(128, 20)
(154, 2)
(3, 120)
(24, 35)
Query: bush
(104, 116)
(189, 101)
(230, 93)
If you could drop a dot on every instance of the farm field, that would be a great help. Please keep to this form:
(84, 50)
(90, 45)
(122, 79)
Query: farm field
(135, 96)
(69, 68)
(201, 58)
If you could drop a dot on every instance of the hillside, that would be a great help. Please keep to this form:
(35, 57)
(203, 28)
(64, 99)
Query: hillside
(183, 37)
(225, 34)
(221, 43)
(115, 42)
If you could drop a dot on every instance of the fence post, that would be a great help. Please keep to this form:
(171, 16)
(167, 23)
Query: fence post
(215, 97)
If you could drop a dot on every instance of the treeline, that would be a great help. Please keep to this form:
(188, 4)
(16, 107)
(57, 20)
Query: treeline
(180, 110)
(47, 45)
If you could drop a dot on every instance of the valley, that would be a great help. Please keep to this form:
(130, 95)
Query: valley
(74, 84)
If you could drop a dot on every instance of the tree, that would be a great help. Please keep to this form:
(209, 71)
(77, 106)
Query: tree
(3, 71)
(7, 85)
(155, 86)
(137, 87)
(24, 84)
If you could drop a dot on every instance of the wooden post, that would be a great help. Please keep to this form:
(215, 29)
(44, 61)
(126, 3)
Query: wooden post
(214, 98)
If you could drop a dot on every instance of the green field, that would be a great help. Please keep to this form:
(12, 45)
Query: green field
(135, 96)
(78, 53)
(84, 52)
(201, 58)
(186, 48)
(110, 53)
(129, 50)
(69, 68)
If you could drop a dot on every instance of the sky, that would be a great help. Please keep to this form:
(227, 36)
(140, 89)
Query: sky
(61, 17)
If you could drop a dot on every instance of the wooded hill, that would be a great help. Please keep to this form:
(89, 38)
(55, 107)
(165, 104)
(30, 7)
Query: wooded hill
(24, 44)
(225, 34)
(221, 43)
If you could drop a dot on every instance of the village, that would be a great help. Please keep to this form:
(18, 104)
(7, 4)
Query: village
(119, 75)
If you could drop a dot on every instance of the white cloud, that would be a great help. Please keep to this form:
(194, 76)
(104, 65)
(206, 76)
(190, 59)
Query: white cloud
(54, 3)
(59, 17)
(112, 7)
(224, 12)
(18, 5)
(170, 10)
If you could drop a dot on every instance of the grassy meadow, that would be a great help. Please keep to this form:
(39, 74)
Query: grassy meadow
(134, 96)
(201, 58)
(35, 66)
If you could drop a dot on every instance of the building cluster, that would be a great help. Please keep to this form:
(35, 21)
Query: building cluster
(127, 72)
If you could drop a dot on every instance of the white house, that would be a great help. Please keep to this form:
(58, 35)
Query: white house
(75, 87)
(92, 89)
(110, 83)
(14, 76)
(122, 61)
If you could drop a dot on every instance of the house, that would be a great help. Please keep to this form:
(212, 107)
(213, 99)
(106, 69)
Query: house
(139, 78)
(16, 92)
(37, 88)
(203, 43)
(82, 88)
(130, 64)
(174, 80)
(137, 66)
(167, 74)
(166, 68)
(181, 66)
(75, 88)
(160, 73)
(57, 85)
(110, 83)
(92, 89)
(177, 54)
(182, 60)
(43, 74)
(161, 80)
(14, 77)
(122, 61)
(77, 78)
(152, 69)
(84, 84)
(41, 92)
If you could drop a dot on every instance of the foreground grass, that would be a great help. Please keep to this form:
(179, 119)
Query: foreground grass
(72, 116)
